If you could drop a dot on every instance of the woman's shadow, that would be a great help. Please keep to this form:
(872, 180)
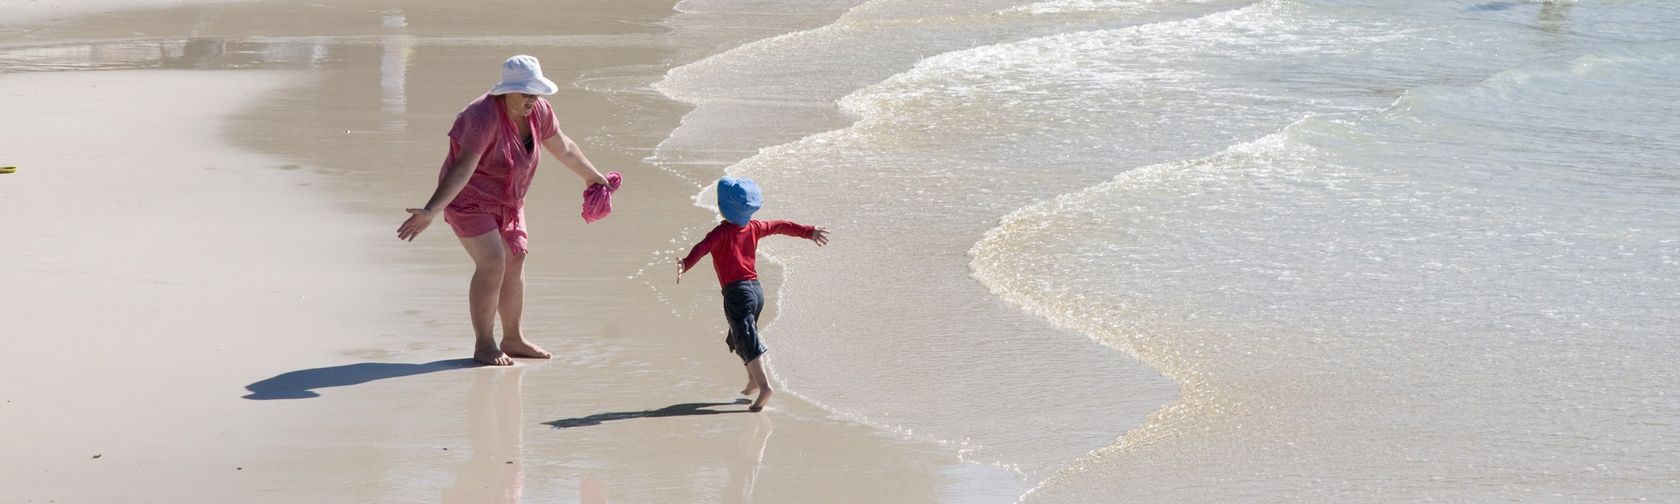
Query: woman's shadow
(302, 383)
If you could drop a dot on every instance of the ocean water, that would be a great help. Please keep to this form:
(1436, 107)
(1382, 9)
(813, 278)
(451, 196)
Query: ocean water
(1142, 251)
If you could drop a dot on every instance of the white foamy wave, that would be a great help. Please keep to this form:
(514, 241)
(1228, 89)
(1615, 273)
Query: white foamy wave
(1089, 6)
(1338, 299)
(1019, 236)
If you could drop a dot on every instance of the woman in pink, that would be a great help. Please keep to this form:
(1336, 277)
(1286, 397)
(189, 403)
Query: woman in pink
(481, 194)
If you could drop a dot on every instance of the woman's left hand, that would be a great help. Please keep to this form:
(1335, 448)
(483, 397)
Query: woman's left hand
(598, 179)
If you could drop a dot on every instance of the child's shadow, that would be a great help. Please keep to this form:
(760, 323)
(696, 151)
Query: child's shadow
(685, 409)
(300, 384)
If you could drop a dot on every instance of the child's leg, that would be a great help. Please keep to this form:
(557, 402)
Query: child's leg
(512, 307)
(742, 302)
(755, 373)
(730, 340)
(490, 263)
(752, 345)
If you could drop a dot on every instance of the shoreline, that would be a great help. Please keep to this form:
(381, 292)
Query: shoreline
(1106, 391)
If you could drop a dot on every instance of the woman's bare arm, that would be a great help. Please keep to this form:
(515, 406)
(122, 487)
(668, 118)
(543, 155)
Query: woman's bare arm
(567, 151)
(459, 172)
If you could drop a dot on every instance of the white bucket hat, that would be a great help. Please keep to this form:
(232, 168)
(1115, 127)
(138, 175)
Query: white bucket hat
(522, 74)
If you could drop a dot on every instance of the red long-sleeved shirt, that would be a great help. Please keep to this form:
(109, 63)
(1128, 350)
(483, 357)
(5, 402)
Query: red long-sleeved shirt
(734, 249)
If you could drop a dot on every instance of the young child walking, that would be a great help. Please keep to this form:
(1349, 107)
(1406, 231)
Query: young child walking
(733, 245)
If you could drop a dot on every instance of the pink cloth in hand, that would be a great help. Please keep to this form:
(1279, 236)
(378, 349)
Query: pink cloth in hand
(597, 199)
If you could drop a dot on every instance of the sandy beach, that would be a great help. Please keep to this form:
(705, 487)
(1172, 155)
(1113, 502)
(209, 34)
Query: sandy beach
(205, 300)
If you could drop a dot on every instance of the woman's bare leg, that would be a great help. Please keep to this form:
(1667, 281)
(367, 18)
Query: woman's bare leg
(490, 264)
(512, 307)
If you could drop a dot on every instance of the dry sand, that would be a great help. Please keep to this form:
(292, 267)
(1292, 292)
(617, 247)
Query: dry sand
(204, 300)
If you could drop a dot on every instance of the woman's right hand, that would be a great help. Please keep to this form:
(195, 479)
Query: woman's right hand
(416, 223)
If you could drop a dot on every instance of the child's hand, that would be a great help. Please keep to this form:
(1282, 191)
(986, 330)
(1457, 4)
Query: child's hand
(820, 236)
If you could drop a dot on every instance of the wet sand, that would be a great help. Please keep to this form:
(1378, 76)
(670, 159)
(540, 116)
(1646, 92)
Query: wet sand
(208, 303)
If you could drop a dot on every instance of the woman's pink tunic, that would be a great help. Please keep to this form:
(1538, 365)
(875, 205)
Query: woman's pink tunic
(494, 197)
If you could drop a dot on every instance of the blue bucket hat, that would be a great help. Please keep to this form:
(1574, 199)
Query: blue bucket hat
(738, 198)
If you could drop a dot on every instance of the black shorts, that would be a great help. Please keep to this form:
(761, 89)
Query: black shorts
(742, 302)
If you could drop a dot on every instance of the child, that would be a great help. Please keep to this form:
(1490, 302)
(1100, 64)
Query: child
(733, 245)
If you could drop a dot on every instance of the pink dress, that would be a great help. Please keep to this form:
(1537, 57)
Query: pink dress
(494, 197)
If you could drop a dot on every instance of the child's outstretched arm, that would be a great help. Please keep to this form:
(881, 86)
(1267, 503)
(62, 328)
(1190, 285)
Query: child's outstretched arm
(817, 234)
(700, 250)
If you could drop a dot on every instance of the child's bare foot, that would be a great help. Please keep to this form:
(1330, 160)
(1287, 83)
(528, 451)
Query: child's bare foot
(524, 349)
(491, 356)
(763, 397)
(751, 387)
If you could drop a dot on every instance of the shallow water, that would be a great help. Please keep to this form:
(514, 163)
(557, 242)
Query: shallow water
(1382, 251)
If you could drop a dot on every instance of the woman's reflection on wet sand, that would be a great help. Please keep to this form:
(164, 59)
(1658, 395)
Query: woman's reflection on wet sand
(496, 472)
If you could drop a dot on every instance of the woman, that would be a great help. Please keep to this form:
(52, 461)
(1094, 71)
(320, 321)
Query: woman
(481, 194)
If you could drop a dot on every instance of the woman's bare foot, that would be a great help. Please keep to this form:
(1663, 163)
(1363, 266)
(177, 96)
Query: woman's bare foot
(524, 349)
(490, 356)
(763, 397)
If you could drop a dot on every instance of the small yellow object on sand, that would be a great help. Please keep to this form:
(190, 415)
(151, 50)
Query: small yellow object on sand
(7, 169)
